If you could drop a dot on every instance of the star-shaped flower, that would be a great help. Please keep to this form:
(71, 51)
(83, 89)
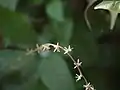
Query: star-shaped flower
(113, 7)
(78, 77)
(77, 64)
(29, 51)
(45, 47)
(38, 48)
(67, 50)
(88, 87)
(57, 48)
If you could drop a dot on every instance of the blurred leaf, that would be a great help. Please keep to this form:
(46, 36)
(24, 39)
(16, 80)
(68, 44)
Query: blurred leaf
(32, 83)
(63, 31)
(16, 60)
(12, 87)
(10, 4)
(46, 35)
(59, 31)
(18, 71)
(112, 7)
(55, 10)
(55, 74)
(36, 1)
(16, 27)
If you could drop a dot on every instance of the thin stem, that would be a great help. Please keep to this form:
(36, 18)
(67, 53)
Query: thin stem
(78, 68)
(60, 47)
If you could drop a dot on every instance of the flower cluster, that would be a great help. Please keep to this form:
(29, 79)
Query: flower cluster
(88, 87)
(58, 48)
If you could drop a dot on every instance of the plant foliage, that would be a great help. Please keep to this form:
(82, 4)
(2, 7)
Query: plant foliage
(79, 23)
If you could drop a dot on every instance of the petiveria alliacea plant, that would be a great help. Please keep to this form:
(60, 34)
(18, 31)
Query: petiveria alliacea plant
(66, 50)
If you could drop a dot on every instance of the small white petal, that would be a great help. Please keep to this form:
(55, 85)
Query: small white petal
(88, 87)
(38, 48)
(77, 64)
(57, 48)
(78, 77)
(45, 47)
(37, 45)
(67, 50)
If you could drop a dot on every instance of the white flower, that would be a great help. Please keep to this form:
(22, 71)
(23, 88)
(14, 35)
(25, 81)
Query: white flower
(88, 87)
(57, 48)
(113, 7)
(29, 51)
(45, 47)
(78, 77)
(77, 64)
(69, 49)
(38, 48)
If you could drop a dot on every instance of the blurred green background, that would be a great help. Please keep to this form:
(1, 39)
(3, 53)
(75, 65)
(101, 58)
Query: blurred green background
(23, 23)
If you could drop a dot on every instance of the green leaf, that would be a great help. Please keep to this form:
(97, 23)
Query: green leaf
(18, 71)
(16, 60)
(113, 7)
(46, 35)
(55, 10)
(16, 27)
(10, 4)
(59, 31)
(63, 31)
(34, 84)
(55, 74)
(109, 5)
(15, 81)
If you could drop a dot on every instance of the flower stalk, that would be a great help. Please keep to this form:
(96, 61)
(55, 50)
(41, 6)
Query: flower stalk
(58, 48)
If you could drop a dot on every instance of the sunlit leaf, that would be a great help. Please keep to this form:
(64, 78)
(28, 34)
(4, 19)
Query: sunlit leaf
(55, 10)
(55, 74)
(113, 7)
